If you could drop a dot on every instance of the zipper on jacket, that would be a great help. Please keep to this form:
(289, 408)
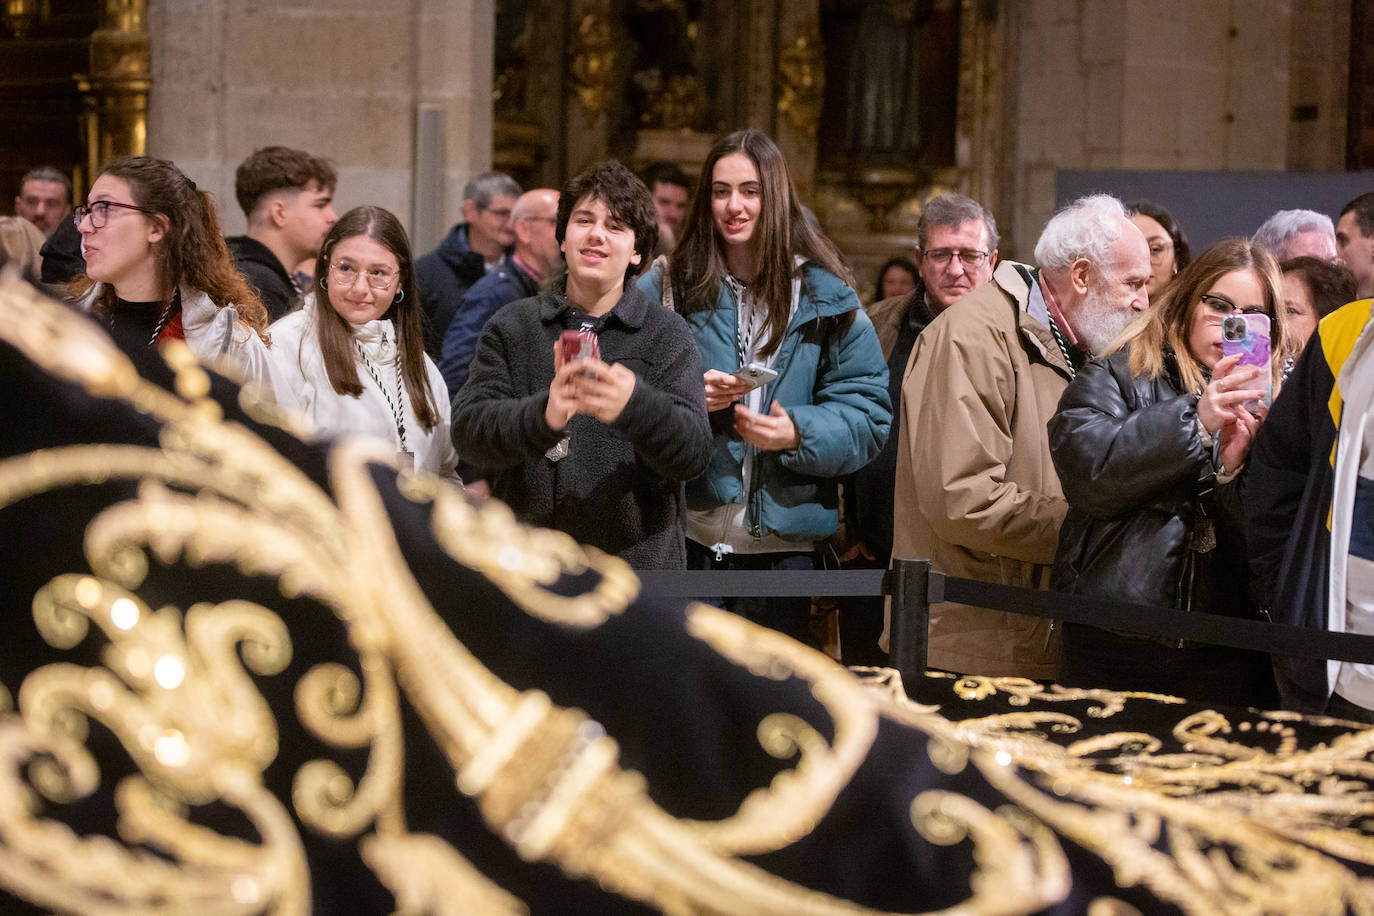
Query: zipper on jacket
(752, 511)
(1188, 604)
(720, 539)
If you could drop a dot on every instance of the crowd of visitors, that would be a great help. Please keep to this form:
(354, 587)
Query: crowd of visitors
(680, 372)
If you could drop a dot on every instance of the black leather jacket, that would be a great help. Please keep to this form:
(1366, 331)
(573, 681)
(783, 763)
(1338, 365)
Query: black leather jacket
(1141, 486)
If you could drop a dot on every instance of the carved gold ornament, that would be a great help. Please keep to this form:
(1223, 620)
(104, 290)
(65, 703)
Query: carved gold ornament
(172, 691)
(801, 80)
(591, 61)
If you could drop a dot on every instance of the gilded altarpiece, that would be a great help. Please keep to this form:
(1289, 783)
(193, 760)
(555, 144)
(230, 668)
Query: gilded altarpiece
(876, 104)
(74, 85)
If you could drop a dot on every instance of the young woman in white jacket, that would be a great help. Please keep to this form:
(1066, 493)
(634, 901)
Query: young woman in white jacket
(157, 269)
(354, 353)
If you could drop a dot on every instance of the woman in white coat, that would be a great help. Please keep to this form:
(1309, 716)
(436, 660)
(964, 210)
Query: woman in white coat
(354, 353)
(157, 269)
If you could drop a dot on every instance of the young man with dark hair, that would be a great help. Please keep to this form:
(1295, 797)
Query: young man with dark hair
(1355, 239)
(287, 196)
(669, 187)
(597, 446)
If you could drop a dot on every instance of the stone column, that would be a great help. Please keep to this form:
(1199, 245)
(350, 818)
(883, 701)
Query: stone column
(1113, 84)
(345, 79)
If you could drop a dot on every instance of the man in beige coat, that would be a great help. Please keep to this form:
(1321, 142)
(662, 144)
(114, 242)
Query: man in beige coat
(976, 491)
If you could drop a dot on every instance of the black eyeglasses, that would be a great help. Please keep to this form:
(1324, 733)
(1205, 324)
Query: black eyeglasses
(1221, 306)
(99, 212)
(969, 257)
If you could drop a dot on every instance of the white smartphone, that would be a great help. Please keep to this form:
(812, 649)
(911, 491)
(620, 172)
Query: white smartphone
(755, 374)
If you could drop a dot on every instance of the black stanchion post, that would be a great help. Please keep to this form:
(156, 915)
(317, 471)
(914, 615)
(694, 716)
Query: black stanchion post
(906, 650)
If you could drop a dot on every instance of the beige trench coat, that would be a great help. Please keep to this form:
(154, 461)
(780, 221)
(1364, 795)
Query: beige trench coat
(976, 491)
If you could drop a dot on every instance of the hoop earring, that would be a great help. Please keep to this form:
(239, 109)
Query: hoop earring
(400, 297)
(322, 285)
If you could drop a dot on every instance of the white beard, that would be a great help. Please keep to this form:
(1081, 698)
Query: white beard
(1099, 322)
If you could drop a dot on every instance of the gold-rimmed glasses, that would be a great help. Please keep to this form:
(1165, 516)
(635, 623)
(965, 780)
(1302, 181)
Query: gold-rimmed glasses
(345, 274)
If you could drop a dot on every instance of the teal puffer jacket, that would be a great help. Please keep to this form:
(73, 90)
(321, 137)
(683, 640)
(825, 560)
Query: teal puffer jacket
(832, 383)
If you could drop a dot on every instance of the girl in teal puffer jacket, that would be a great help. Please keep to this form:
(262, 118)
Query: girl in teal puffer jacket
(758, 285)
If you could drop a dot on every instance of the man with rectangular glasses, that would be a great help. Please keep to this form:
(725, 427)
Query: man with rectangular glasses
(956, 249)
(474, 247)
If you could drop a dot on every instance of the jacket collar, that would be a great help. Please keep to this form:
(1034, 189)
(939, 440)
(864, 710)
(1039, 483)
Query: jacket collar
(822, 295)
(247, 248)
(1022, 283)
(630, 310)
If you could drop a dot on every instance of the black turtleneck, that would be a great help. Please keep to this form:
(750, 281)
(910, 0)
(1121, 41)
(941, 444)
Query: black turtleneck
(135, 320)
(135, 323)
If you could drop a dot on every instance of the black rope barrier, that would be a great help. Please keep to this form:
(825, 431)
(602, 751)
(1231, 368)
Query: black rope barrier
(764, 583)
(914, 586)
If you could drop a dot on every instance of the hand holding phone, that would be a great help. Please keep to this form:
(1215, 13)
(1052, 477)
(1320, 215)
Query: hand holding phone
(755, 374)
(723, 389)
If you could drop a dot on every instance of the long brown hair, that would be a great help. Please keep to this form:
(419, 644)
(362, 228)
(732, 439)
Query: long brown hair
(1166, 324)
(335, 335)
(191, 252)
(698, 265)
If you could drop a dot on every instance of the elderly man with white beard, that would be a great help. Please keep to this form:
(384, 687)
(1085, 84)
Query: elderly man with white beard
(976, 491)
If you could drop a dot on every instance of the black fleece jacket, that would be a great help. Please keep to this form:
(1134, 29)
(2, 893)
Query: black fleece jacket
(619, 487)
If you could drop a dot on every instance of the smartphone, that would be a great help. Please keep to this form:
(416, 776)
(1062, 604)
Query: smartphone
(1248, 335)
(574, 345)
(755, 374)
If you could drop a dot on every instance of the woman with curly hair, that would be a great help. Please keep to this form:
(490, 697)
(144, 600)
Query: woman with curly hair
(157, 268)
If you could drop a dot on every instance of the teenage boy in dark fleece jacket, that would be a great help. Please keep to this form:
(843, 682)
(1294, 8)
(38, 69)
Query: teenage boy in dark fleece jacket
(598, 447)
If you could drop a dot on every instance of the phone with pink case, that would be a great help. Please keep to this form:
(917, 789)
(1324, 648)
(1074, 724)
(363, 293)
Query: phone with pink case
(575, 345)
(1248, 335)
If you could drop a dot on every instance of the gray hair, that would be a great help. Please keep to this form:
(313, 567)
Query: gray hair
(1279, 230)
(482, 188)
(47, 173)
(1086, 228)
(951, 211)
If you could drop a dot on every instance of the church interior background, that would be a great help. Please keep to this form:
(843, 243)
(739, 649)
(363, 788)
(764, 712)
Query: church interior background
(877, 103)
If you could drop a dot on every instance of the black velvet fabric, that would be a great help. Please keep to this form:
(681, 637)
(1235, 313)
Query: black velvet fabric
(683, 715)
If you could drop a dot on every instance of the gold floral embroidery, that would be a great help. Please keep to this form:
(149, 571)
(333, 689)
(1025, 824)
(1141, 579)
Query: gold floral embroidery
(1221, 826)
(429, 876)
(797, 799)
(177, 698)
(524, 561)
